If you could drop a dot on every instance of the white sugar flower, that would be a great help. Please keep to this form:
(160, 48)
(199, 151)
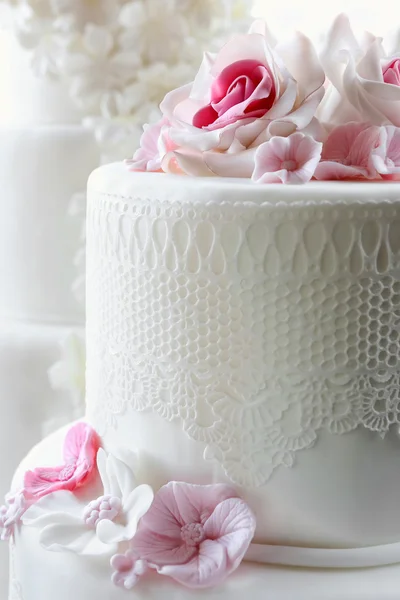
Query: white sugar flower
(156, 29)
(98, 69)
(67, 522)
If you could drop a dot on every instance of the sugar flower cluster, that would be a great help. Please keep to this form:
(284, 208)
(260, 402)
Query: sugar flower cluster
(93, 505)
(281, 112)
(118, 58)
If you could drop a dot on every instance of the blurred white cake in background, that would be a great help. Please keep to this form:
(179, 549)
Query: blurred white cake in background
(45, 158)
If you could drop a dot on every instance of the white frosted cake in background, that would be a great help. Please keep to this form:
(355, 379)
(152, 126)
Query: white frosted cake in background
(45, 158)
(242, 428)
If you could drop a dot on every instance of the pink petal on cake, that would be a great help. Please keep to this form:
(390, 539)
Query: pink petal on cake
(340, 141)
(233, 524)
(81, 442)
(162, 548)
(206, 569)
(330, 170)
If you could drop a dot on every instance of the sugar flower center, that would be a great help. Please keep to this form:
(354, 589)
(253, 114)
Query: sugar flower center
(193, 534)
(289, 165)
(105, 507)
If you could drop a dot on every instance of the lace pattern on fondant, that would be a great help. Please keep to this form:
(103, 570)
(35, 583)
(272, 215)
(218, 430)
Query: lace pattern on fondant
(256, 326)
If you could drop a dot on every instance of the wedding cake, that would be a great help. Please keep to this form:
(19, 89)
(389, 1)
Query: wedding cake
(242, 428)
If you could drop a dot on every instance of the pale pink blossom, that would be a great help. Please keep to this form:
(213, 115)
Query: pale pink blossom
(80, 449)
(252, 90)
(11, 513)
(195, 534)
(391, 72)
(386, 157)
(154, 145)
(287, 160)
(347, 153)
(127, 569)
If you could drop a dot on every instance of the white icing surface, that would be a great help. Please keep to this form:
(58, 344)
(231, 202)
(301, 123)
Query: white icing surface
(48, 575)
(25, 98)
(40, 169)
(255, 327)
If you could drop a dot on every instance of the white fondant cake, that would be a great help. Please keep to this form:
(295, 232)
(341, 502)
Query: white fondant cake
(245, 335)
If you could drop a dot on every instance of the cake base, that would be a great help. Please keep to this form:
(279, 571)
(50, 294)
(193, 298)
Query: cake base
(37, 573)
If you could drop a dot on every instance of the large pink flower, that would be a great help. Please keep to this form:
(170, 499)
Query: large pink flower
(287, 160)
(80, 450)
(195, 534)
(386, 157)
(347, 153)
(251, 90)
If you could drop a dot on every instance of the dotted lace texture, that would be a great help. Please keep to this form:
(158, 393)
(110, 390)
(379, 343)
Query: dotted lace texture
(256, 326)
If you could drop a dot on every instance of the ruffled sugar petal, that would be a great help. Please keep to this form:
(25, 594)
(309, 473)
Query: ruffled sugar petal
(386, 156)
(73, 538)
(240, 164)
(162, 548)
(302, 62)
(233, 524)
(206, 569)
(330, 171)
(60, 507)
(137, 504)
(81, 442)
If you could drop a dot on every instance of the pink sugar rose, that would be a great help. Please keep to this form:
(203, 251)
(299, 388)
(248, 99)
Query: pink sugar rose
(154, 145)
(391, 72)
(195, 534)
(386, 157)
(348, 151)
(287, 160)
(252, 90)
(80, 449)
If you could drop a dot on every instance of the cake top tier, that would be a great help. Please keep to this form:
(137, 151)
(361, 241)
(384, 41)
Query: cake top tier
(283, 112)
(114, 179)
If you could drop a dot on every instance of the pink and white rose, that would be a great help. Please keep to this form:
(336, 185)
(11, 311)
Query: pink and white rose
(252, 90)
(365, 81)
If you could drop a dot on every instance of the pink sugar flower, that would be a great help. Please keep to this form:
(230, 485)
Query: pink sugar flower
(347, 153)
(287, 160)
(386, 157)
(127, 569)
(195, 534)
(154, 145)
(80, 450)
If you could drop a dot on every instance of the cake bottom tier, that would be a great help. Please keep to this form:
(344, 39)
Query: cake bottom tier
(27, 400)
(40, 574)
